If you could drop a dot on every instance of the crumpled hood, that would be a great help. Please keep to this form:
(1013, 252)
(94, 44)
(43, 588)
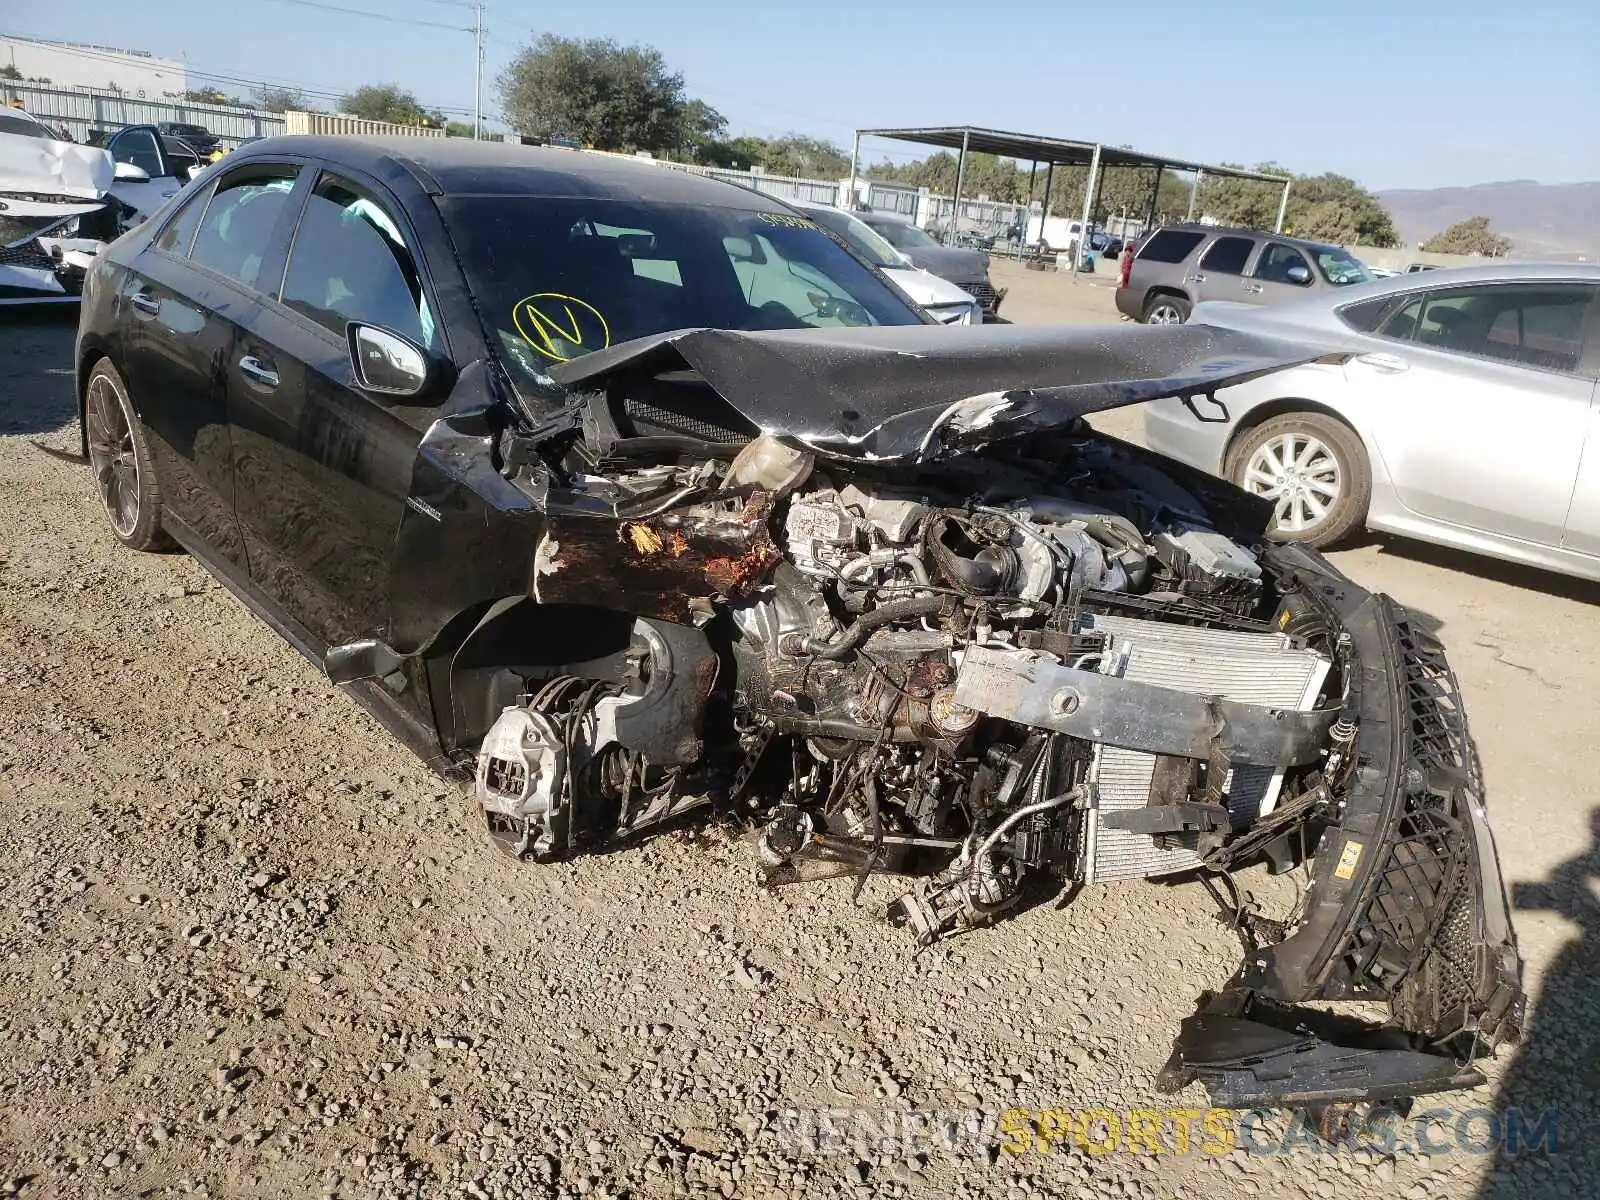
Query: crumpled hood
(926, 288)
(917, 391)
(29, 164)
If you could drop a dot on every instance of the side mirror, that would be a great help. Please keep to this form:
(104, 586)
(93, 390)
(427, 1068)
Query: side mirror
(1298, 273)
(385, 362)
(126, 172)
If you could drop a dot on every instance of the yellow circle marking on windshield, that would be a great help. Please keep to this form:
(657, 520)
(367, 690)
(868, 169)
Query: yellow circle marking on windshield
(560, 326)
(787, 220)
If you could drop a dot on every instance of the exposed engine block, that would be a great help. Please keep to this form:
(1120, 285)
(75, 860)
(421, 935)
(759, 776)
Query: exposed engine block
(862, 652)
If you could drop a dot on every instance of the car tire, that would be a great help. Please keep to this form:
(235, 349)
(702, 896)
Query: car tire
(1326, 470)
(119, 456)
(1166, 309)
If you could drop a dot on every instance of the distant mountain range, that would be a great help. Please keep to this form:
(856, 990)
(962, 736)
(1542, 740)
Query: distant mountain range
(1543, 220)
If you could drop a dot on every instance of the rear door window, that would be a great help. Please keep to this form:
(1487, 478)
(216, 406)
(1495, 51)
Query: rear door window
(1227, 255)
(1533, 325)
(235, 235)
(1367, 315)
(350, 262)
(1170, 245)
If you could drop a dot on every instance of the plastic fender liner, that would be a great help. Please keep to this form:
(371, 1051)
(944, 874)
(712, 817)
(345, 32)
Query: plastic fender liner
(1254, 1055)
(1406, 902)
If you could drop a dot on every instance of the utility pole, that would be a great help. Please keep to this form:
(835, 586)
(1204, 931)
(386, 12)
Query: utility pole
(477, 70)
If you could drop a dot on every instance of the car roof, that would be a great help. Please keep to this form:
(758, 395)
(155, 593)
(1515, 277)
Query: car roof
(1495, 272)
(462, 167)
(1242, 231)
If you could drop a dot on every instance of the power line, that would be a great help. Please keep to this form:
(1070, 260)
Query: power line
(311, 91)
(386, 18)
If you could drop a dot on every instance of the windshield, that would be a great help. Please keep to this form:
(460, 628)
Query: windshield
(14, 120)
(1339, 267)
(859, 236)
(557, 278)
(903, 235)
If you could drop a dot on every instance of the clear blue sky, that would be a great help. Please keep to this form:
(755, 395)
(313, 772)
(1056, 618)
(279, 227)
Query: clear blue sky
(1396, 93)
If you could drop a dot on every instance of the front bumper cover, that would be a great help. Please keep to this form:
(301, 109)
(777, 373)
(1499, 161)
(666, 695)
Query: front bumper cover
(1406, 905)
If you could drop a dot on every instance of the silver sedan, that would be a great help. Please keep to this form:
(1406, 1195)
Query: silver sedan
(1461, 408)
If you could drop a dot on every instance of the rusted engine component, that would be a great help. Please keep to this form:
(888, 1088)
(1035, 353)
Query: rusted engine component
(655, 566)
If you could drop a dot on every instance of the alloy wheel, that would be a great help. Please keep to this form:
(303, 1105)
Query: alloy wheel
(1164, 314)
(111, 454)
(1302, 477)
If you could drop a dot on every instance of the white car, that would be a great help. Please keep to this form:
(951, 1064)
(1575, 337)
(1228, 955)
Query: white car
(53, 210)
(60, 202)
(940, 297)
(1456, 406)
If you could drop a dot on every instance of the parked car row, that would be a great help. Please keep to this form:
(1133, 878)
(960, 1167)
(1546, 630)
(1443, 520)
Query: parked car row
(967, 268)
(949, 303)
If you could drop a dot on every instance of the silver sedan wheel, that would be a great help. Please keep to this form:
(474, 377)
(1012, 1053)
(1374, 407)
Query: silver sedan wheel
(1300, 475)
(1164, 314)
(111, 454)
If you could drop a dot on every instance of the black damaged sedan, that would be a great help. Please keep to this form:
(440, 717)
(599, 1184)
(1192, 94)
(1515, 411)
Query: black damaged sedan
(623, 494)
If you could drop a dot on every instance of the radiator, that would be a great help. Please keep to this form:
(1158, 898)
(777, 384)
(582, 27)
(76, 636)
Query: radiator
(1257, 668)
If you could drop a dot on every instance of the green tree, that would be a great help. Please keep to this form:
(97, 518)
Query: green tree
(741, 152)
(702, 126)
(10, 72)
(1328, 207)
(596, 90)
(1472, 236)
(1334, 208)
(388, 102)
(792, 154)
(282, 99)
(461, 129)
(797, 154)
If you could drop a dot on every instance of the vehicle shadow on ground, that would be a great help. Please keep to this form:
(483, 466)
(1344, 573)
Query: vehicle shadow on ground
(37, 394)
(1535, 579)
(1556, 1069)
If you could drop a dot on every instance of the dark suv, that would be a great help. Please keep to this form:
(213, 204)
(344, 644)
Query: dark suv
(1180, 265)
(198, 136)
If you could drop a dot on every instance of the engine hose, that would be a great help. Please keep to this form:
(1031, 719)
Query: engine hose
(839, 727)
(884, 614)
(853, 573)
(1026, 810)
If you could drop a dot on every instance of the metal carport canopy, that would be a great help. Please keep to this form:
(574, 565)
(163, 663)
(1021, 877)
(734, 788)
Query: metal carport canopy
(1055, 152)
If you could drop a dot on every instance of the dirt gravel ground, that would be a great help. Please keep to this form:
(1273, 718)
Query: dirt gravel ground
(249, 947)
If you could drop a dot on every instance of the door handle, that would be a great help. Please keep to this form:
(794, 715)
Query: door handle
(146, 303)
(253, 369)
(1253, 288)
(1388, 364)
(1199, 278)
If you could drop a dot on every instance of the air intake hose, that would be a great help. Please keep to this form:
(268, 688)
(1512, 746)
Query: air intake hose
(884, 614)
